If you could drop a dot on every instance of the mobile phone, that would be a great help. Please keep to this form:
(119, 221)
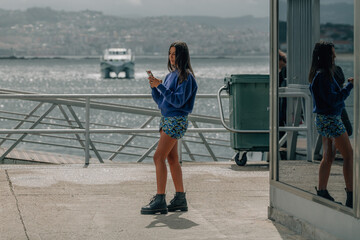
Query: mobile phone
(149, 73)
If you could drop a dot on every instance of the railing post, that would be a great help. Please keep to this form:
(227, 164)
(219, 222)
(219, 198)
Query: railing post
(87, 133)
(309, 133)
(179, 143)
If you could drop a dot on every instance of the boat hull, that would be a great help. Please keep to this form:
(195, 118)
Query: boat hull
(106, 67)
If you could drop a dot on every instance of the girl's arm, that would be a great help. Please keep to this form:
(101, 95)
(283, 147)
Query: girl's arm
(181, 94)
(154, 82)
(330, 93)
(155, 95)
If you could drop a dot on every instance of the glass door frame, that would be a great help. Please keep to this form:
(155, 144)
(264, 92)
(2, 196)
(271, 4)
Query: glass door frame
(274, 146)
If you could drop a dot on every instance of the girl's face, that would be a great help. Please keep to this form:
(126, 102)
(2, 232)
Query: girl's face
(333, 55)
(172, 56)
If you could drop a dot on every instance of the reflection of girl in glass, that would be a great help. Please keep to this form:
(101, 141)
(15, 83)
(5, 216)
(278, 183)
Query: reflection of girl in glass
(328, 100)
(175, 98)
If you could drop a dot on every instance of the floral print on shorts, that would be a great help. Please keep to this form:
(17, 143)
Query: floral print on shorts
(175, 127)
(329, 126)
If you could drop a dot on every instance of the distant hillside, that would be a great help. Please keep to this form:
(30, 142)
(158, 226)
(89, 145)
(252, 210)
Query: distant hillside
(240, 23)
(46, 32)
(30, 16)
(43, 31)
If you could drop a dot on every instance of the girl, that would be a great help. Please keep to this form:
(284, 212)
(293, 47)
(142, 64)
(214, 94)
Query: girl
(175, 98)
(328, 101)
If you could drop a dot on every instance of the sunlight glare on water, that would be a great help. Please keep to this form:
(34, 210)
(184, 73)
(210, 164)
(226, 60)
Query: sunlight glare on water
(66, 76)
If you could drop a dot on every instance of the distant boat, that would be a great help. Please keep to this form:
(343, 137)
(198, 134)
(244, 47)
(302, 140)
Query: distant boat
(117, 60)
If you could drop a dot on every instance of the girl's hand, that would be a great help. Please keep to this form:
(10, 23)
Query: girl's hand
(351, 79)
(154, 82)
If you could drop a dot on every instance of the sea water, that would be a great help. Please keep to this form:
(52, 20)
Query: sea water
(66, 76)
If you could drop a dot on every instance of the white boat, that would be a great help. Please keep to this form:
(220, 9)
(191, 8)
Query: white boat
(117, 60)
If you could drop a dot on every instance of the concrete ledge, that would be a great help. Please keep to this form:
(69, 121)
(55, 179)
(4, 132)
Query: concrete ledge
(310, 218)
(300, 227)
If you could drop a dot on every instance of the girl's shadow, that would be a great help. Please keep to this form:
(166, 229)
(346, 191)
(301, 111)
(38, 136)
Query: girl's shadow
(173, 221)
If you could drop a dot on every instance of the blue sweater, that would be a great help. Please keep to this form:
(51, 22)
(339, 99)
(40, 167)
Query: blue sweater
(328, 97)
(173, 99)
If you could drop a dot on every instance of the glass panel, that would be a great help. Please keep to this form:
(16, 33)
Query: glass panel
(301, 25)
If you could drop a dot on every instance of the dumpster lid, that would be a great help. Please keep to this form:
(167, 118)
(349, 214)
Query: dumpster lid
(248, 78)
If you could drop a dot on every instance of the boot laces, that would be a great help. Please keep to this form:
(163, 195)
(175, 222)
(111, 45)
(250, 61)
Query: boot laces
(174, 199)
(152, 199)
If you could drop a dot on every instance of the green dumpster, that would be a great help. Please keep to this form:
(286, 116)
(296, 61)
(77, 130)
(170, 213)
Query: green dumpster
(249, 110)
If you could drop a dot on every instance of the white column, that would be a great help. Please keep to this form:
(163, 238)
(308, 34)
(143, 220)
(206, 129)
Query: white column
(274, 46)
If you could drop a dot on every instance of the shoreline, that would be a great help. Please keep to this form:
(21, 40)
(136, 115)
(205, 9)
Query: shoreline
(345, 56)
(140, 57)
(341, 56)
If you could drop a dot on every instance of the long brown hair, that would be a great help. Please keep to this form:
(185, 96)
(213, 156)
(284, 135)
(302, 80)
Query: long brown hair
(322, 60)
(182, 61)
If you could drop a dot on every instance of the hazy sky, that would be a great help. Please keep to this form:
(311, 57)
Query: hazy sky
(221, 8)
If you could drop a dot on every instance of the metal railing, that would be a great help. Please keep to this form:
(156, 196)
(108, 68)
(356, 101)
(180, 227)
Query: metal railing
(289, 93)
(71, 123)
(295, 128)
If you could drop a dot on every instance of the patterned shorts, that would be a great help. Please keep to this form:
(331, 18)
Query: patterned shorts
(329, 126)
(175, 127)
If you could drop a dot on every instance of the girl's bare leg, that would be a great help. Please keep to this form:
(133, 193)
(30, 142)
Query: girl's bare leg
(343, 144)
(175, 169)
(329, 152)
(166, 143)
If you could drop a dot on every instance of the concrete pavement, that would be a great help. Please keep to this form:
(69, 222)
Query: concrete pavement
(103, 201)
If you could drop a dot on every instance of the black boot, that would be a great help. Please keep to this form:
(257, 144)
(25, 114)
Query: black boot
(157, 205)
(349, 199)
(178, 203)
(324, 194)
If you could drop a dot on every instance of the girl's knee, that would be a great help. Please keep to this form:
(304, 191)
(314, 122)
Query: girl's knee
(328, 159)
(172, 157)
(158, 158)
(348, 155)
(173, 161)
